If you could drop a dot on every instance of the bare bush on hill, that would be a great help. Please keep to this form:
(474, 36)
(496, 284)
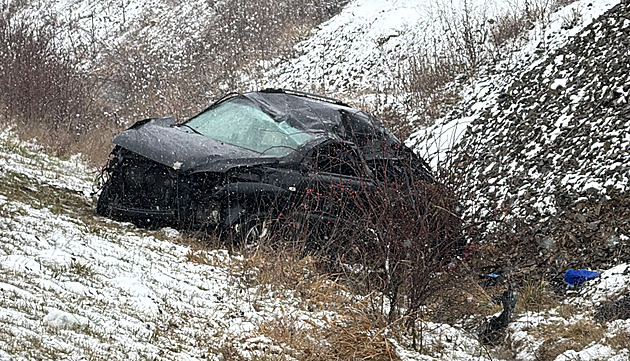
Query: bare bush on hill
(471, 38)
(394, 242)
(43, 93)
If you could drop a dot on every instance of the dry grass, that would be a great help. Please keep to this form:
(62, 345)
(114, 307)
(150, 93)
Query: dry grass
(620, 341)
(508, 28)
(292, 270)
(575, 336)
(460, 297)
(94, 146)
(536, 296)
(351, 336)
(352, 329)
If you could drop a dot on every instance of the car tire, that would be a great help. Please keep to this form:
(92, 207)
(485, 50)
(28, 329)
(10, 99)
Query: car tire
(250, 232)
(105, 199)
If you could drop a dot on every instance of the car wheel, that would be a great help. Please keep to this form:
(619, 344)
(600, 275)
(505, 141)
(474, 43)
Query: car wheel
(250, 232)
(105, 199)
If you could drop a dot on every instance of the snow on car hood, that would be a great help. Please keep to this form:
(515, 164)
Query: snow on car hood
(181, 149)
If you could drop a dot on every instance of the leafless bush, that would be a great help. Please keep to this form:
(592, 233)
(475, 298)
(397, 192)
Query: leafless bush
(38, 82)
(572, 19)
(393, 233)
(507, 28)
(416, 234)
(43, 93)
(465, 33)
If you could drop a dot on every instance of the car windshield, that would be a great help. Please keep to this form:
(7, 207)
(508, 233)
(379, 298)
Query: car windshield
(246, 126)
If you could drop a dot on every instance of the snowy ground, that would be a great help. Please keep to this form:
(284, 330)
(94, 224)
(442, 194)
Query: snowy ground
(371, 43)
(76, 286)
(572, 323)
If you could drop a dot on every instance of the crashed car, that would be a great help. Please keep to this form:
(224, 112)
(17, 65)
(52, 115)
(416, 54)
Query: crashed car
(247, 158)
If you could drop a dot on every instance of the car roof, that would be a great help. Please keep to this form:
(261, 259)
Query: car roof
(317, 114)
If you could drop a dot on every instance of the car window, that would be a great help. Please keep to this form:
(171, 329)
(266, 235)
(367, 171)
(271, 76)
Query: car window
(248, 127)
(335, 158)
(366, 130)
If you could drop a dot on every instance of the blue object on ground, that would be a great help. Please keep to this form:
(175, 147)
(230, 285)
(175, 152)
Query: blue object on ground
(494, 275)
(579, 276)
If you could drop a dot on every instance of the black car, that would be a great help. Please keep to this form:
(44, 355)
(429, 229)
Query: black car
(252, 157)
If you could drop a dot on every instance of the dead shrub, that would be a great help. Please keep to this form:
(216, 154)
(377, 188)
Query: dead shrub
(425, 81)
(620, 340)
(508, 28)
(394, 238)
(460, 297)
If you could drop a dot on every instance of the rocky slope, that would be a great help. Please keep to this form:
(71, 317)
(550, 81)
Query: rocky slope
(549, 159)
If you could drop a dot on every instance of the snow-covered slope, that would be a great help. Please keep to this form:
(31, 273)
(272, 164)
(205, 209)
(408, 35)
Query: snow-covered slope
(88, 27)
(372, 44)
(478, 94)
(75, 286)
(549, 154)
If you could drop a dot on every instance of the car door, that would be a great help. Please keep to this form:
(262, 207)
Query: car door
(334, 188)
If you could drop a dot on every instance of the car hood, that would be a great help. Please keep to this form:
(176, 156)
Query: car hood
(181, 149)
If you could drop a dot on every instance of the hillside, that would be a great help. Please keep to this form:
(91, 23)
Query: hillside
(537, 142)
(547, 158)
(80, 287)
(371, 45)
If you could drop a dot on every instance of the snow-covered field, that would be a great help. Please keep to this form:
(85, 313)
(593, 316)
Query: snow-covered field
(75, 286)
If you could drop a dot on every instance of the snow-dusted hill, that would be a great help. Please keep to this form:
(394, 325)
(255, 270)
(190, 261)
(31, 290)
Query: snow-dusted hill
(371, 45)
(546, 151)
(86, 28)
(75, 286)
(543, 138)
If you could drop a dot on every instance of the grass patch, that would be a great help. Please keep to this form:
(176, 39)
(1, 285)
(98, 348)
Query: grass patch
(75, 270)
(620, 340)
(349, 337)
(19, 187)
(536, 296)
(574, 336)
